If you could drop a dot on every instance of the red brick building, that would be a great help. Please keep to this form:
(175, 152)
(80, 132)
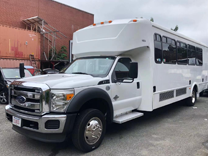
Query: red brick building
(64, 18)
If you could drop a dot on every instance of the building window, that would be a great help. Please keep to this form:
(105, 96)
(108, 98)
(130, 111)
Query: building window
(199, 57)
(182, 53)
(191, 55)
(158, 48)
(169, 50)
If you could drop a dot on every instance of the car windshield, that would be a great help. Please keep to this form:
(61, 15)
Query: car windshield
(96, 66)
(14, 73)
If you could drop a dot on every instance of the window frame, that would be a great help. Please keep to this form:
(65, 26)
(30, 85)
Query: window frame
(169, 44)
(161, 48)
(188, 54)
(202, 55)
(113, 75)
(178, 41)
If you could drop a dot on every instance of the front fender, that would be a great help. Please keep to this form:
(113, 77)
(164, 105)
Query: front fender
(88, 94)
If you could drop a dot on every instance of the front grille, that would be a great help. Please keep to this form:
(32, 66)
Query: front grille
(26, 99)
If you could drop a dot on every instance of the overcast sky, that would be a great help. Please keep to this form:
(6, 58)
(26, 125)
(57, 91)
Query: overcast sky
(190, 15)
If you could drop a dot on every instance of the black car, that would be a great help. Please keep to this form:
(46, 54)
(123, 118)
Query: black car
(7, 76)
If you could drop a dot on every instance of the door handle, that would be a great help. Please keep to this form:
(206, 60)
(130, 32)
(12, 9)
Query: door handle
(138, 85)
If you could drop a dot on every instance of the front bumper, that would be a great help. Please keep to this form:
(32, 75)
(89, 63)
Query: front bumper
(35, 126)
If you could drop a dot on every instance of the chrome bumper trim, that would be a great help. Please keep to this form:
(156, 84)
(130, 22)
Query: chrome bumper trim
(40, 120)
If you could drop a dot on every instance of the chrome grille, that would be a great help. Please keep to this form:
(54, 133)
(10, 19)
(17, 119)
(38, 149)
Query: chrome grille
(36, 97)
(32, 97)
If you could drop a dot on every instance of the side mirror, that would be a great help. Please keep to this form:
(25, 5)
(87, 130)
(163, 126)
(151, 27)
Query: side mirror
(133, 71)
(22, 70)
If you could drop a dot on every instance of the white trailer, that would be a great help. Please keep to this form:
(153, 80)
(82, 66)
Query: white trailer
(122, 68)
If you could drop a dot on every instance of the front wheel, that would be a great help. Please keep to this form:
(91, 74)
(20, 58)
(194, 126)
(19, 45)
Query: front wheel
(89, 130)
(192, 100)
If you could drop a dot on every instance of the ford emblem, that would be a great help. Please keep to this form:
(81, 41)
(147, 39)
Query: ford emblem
(21, 99)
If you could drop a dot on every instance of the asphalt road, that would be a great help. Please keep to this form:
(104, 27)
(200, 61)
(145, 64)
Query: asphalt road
(174, 130)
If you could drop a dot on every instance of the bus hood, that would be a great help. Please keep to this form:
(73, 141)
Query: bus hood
(64, 81)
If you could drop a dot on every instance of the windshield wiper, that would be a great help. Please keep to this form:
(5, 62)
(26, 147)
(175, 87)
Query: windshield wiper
(81, 73)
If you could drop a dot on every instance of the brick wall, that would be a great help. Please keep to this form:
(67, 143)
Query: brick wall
(64, 18)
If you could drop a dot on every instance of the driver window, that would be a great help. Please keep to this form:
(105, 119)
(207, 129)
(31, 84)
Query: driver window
(122, 69)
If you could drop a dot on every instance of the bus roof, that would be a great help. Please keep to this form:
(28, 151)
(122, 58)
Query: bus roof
(116, 37)
(177, 34)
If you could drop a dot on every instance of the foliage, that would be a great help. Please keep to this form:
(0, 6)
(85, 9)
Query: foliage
(176, 28)
(60, 55)
(152, 19)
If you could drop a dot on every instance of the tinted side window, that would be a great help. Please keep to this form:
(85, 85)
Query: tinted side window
(199, 60)
(182, 53)
(191, 55)
(122, 68)
(169, 50)
(158, 48)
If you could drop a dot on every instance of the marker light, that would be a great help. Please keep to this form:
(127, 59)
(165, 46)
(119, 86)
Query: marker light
(109, 21)
(134, 20)
(94, 24)
(101, 22)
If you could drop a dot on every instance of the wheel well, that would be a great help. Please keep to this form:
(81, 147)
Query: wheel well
(196, 88)
(99, 104)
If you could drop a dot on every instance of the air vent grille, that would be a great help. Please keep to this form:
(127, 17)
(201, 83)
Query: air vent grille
(166, 95)
(181, 91)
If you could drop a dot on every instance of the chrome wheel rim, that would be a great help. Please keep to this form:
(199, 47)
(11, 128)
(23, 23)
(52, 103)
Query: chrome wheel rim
(193, 96)
(93, 130)
(3, 98)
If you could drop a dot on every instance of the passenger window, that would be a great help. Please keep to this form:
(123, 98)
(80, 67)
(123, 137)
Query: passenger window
(199, 57)
(169, 51)
(191, 55)
(158, 49)
(182, 53)
(121, 70)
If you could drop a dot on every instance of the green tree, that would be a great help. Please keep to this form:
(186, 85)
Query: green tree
(176, 28)
(152, 19)
(62, 54)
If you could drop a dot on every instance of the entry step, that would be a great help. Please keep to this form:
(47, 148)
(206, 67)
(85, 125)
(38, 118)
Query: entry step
(127, 117)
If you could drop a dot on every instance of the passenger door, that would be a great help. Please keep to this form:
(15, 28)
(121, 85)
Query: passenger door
(126, 93)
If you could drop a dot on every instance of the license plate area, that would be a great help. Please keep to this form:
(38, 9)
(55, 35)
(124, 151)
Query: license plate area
(16, 121)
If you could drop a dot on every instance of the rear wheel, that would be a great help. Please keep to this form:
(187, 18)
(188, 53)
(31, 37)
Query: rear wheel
(89, 130)
(192, 100)
(3, 98)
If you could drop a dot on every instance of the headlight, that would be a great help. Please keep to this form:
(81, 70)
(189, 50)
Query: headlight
(60, 99)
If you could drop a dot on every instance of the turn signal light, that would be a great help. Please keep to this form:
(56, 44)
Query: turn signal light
(134, 20)
(109, 21)
(101, 22)
(94, 24)
(69, 96)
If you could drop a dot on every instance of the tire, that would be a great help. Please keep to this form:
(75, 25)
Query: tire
(3, 98)
(90, 119)
(192, 100)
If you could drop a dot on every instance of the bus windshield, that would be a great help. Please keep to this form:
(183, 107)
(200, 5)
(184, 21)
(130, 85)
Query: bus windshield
(94, 66)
